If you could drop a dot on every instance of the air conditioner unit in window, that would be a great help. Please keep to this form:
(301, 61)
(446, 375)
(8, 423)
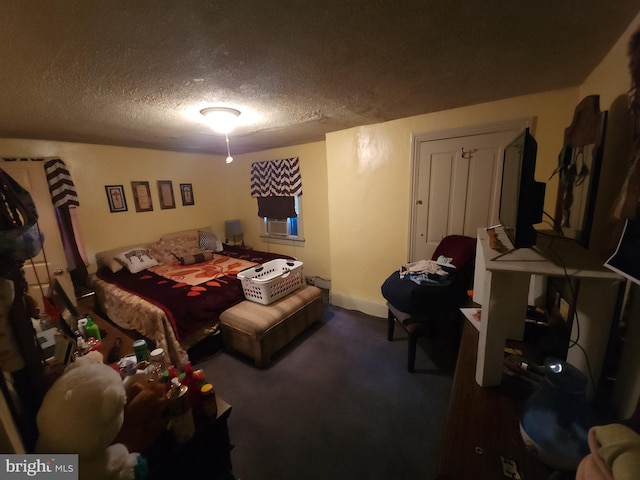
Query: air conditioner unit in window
(278, 227)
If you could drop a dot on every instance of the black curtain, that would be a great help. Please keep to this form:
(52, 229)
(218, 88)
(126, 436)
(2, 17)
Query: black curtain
(64, 197)
(77, 268)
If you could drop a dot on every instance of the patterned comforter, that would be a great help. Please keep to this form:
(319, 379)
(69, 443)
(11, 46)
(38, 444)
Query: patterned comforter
(176, 305)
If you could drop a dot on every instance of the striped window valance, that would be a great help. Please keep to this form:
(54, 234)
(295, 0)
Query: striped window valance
(276, 178)
(63, 191)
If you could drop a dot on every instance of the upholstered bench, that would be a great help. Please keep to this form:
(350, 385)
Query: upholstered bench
(259, 331)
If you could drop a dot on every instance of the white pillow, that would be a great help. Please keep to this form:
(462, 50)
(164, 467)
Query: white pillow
(107, 258)
(136, 259)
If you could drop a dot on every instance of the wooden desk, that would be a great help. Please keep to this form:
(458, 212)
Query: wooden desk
(483, 424)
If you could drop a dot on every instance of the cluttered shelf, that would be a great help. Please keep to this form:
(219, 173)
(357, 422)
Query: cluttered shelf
(502, 283)
(169, 452)
(110, 332)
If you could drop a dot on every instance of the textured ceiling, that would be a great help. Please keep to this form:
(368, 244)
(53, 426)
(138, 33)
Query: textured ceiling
(137, 72)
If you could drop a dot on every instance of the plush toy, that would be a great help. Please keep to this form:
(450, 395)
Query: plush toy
(82, 413)
(145, 416)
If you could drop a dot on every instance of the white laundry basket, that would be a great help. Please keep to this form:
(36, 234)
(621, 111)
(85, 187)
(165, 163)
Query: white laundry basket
(271, 280)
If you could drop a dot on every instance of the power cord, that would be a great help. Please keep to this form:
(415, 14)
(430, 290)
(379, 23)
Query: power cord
(574, 295)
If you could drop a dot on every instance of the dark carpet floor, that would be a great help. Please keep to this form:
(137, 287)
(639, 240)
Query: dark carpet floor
(338, 403)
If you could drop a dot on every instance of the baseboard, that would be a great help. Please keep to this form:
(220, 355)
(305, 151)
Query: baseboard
(376, 309)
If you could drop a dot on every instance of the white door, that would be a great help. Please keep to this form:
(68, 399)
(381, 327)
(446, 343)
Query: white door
(456, 184)
(31, 176)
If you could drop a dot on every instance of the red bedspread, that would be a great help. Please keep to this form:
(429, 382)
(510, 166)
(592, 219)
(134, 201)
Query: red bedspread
(190, 304)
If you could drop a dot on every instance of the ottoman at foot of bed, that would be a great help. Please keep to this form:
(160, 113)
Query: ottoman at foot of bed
(259, 331)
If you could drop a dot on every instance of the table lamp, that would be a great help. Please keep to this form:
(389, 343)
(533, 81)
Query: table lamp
(233, 228)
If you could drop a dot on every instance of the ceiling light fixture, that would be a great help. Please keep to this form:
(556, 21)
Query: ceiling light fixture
(222, 120)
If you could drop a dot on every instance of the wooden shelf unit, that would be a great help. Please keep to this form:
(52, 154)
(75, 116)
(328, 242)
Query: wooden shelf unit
(501, 287)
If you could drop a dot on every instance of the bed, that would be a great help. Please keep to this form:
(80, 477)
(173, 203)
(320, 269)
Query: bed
(177, 288)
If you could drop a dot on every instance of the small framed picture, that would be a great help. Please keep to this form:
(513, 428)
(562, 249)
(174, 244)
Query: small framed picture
(165, 192)
(116, 198)
(186, 191)
(142, 196)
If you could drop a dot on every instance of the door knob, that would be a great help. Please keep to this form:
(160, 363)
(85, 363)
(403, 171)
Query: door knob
(419, 202)
(58, 271)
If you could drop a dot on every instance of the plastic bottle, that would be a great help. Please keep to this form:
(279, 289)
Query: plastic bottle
(81, 324)
(91, 329)
(157, 366)
(199, 374)
(181, 423)
(80, 346)
(209, 404)
(169, 374)
(157, 358)
(195, 397)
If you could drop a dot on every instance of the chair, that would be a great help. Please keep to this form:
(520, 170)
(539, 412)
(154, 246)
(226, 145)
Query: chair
(417, 307)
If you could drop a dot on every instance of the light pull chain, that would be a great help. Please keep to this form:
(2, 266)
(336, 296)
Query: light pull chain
(229, 158)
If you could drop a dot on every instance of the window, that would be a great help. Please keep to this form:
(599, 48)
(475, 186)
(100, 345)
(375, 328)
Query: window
(284, 231)
(277, 185)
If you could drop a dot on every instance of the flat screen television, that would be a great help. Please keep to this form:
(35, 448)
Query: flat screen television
(521, 197)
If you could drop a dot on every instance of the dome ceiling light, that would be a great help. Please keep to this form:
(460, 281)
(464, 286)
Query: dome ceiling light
(222, 120)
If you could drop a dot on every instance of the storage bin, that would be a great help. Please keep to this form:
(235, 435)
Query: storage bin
(271, 280)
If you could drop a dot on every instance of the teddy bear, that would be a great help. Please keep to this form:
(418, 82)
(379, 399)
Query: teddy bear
(145, 417)
(82, 413)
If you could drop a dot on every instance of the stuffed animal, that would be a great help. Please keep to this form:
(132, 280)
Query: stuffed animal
(145, 416)
(82, 413)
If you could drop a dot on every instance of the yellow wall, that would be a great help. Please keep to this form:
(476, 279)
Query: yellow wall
(220, 191)
(313, 168)
(369, 170)
(369, 174)
(94, 166)
(611, 80)
(612, 89)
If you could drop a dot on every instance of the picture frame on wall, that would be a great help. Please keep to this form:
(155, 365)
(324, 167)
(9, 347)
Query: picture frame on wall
(142, 196)
(186, 191)
(116, 198)
(165, 193)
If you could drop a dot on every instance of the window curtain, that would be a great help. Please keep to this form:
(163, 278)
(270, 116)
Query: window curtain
(275, 183)
(276, 207)
(65, 202)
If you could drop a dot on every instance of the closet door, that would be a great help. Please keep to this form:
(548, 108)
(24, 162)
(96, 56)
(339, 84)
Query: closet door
(456, 187)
